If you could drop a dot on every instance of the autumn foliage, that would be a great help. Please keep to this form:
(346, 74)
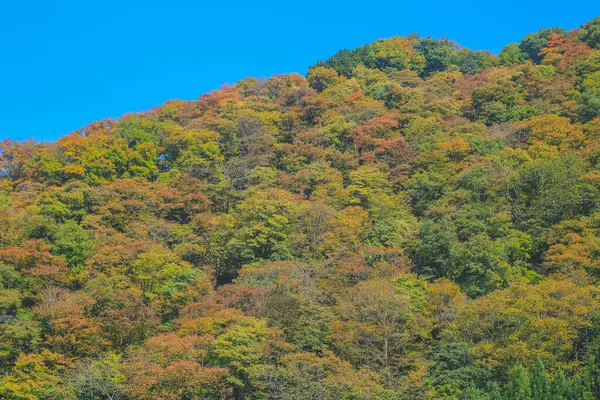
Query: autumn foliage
(412, 220)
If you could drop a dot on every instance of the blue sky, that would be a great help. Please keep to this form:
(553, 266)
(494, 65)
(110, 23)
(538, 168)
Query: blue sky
(67, 63)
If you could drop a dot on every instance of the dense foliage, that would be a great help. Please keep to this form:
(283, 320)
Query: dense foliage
(412, 220)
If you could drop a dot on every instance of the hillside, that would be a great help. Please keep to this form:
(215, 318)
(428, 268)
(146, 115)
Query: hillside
(411, 220)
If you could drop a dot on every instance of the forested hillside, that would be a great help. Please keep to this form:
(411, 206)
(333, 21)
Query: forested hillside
(411, 220)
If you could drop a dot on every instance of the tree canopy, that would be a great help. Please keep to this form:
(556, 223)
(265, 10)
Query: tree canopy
(411, 220)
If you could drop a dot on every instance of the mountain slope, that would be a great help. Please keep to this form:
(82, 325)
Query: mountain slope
(412, 220)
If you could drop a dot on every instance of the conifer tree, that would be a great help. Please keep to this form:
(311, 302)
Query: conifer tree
(560, 386)
(540, 383)
(496, 394)
(518, 384)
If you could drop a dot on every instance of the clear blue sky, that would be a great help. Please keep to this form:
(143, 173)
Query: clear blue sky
(67, 63)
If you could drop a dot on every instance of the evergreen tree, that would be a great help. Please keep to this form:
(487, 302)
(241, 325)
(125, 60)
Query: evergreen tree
(560, 386)
(592, 373)
(519, 387)
(540, 383)
(588, 384)
(475, 394)
(496, 394)
(577, 389)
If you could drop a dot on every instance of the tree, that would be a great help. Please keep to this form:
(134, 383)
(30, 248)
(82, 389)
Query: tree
(533, 43)
(590, 33)
(437, 54)
(163, 277)
(73, 243)
(376, 325)
(454, 372)
(306, 375)
(511, 54)
(560, 386)
(102, 378)
(394, 54)
(518, 384)
(69, 327)
(36, 376)
(589, 102)
(263, 225)
(320, 78)
(540, 383)
(525, 323)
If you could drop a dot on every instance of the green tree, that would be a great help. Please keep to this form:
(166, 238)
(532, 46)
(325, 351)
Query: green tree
(560, 386)
(590, 33)
(532, 44)
(73, 243)
(540, 383)
(518, 387)
(511, 54)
